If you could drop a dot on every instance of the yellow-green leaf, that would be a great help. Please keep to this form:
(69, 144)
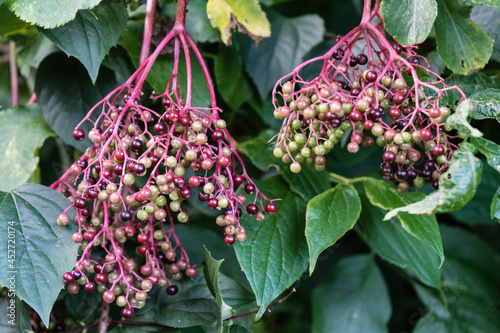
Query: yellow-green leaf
(244, 14)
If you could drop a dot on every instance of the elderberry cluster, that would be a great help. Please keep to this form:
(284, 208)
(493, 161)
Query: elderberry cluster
(130, 185)
(134, 145)
(363, 99)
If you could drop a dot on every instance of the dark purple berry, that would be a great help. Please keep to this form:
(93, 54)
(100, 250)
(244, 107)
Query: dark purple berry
(402, 174)
(136, 145)
(362, 59)
(353, 62)
(172, 290)
(139, 168)
(413, 60)
(338, 54)
(78, 134)
(202, 196)
(252, 209)
(126, 215)
(80, 203)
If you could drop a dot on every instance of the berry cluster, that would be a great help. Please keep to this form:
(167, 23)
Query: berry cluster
(131, 183)
(370, 96)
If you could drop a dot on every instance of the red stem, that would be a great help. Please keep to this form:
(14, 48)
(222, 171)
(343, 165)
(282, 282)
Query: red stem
(180, 18)
(32, 99)
(14, 85)
(366, 11)
(148, 30)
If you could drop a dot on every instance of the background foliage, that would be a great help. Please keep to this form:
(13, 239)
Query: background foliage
(355, 268)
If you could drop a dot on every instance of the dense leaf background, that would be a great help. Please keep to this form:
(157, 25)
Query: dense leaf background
(351, 252)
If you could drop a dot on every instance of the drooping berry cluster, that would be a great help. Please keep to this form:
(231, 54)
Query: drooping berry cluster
(368, 91)
(130, 184)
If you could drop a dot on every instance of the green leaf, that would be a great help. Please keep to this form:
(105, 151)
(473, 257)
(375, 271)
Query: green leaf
(211, 273)
(48, 13)
(460, 119)
(352, 298)
(30, 56)
(16, 317)
(147, 317)
(91, 34)
(486, 104)
(195, 237)
(486, 18)
(473, 83)
(270, 3)
(466, 313)
(308, 183)
(162, 69)
(291, 39)
(65, 94)
(192, 305)
(423, 227)
(471, 274)
(274, 254)
(83, 305)
(264, 108)
(490, 3)
(427, 205)
(44, 251)
(463, 46)
(415, 19)
(477, 211)
(434, 299)
(233, 294)
(145, 314)
(232, 329)
(457, 186)
(10, 23)
(489, 149)
(329, 216)
(198, 25)
(261, 152)
(22, 131)
(131, 40)
(230, 76)
(495, 206)
(436, 63)
(395, 245)
(119, 61)
(5, 88)
(470, 264)
(244, 14)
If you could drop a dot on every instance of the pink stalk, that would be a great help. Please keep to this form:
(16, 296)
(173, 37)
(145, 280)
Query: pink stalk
(148, 30)
(32, 99)
(14, 85)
